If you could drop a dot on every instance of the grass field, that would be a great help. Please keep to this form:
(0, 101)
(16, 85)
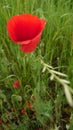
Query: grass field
(43, 99)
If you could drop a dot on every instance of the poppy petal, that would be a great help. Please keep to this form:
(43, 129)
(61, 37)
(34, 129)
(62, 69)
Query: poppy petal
(31, 45)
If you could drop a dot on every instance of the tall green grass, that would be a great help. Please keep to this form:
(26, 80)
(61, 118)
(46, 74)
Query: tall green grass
(50, 109)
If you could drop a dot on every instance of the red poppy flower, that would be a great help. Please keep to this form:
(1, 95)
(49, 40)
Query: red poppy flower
(23, 111)
(16, 84)
(28, 105)
(26, 30)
